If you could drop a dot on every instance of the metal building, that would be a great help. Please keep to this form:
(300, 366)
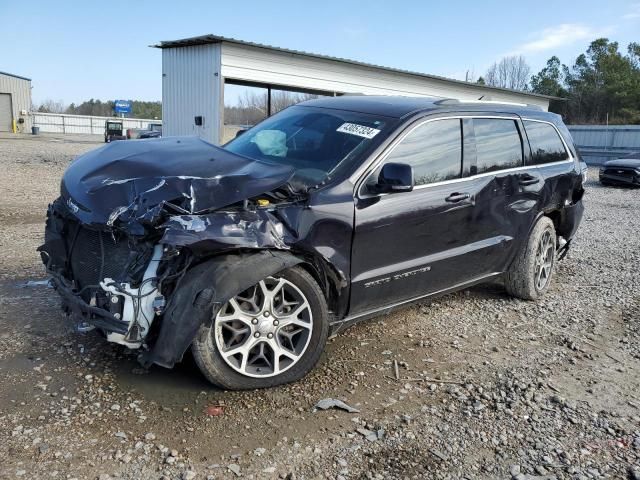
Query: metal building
(15, 103)
(196, 70)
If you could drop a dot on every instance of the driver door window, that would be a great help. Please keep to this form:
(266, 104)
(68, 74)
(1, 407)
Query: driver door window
(433, 149)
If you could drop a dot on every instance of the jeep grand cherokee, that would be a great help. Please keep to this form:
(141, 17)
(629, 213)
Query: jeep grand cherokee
(327, 213)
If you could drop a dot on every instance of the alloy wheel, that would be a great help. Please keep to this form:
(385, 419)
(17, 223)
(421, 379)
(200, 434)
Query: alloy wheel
(264, 330)
(544, 260)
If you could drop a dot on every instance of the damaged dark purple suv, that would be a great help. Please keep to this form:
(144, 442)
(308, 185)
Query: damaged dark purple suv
(330, 212)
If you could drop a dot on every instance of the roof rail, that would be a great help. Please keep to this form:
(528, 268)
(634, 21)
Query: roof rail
(453, 101)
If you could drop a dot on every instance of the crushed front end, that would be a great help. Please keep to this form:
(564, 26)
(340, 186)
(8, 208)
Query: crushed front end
(134, 218)
(108, 280)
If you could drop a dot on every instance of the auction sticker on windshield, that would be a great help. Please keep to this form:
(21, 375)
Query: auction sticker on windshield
(359, 130)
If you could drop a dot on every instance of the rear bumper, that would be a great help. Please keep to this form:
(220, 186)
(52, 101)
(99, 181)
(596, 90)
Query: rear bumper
(567, 226)
(570, 218)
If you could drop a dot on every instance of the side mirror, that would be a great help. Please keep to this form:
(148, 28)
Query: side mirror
(395, 177)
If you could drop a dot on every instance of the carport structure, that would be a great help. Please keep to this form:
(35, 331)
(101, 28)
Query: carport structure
(196, 70)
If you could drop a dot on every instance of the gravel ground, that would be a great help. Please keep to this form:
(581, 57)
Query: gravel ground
(487, 386)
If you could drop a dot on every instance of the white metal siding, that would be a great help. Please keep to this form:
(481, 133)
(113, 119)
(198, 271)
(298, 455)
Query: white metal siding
(191, 86)
(6, 116)
(599, 143)
(20, 90)
(83, 124)
(256, 64)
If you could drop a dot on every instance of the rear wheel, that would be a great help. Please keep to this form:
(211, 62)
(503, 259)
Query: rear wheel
(529, 276)
(270, 334)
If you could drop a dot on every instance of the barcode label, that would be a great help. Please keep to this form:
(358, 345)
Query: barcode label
(359, 130)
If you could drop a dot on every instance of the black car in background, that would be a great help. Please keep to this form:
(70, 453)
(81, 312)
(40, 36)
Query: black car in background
(327, 213)
(621, 172)
(150, 134)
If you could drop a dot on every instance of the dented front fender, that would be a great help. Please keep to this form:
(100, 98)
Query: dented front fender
(226, 230)
(202, 292)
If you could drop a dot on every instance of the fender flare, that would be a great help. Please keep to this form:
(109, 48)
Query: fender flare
(203, 290)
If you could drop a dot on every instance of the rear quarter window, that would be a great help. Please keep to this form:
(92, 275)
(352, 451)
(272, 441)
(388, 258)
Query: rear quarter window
(546, 145)
(498, 144)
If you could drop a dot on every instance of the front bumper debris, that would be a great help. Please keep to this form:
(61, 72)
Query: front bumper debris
(629, 179)
(104, 283)
(81, 313)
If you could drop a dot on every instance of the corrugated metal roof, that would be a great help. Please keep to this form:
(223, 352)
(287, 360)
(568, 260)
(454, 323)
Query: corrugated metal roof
(15, 76)
(206, 39)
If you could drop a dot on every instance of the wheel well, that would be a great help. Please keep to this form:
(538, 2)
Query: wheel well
(556, 218)
(331, 281)
(327, 278)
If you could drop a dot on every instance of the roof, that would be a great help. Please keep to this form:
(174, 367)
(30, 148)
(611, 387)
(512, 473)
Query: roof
(15, 76)
(388, 106)
(398, 106)
(208, 39)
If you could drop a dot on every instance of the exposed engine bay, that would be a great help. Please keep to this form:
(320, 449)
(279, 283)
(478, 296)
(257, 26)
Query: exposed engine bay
(118, 248)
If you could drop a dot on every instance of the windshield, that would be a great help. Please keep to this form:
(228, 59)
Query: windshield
(316, 141)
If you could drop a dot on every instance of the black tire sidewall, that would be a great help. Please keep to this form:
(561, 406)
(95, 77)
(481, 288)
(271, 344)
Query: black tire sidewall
(214, 367)
(521, 274)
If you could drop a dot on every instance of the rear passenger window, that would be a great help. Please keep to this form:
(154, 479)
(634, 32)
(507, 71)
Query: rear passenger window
(498, 144)
(546, 145)
(434, 150)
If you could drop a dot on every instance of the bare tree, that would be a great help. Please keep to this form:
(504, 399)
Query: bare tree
(281, 99)
(469, 75)
(252, 105)
(51, 106)
(510, 72)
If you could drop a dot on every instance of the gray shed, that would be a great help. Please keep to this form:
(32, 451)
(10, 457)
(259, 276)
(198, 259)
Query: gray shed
(15, 103)
(196, 70)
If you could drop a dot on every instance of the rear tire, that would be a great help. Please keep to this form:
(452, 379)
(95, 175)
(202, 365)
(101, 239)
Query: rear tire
(531, 272)
(280, 325)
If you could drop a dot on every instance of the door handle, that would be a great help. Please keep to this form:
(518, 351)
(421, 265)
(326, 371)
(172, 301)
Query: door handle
(457, 197)
(527, 179)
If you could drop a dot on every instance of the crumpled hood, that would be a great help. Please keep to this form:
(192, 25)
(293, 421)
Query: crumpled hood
(131, 180)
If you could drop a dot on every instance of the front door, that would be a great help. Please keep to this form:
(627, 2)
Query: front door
(411, 243)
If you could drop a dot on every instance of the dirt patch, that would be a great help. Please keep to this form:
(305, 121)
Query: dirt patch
(489, 386)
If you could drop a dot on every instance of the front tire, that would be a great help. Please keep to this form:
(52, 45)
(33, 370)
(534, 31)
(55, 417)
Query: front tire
(271, 334)
(530, 274)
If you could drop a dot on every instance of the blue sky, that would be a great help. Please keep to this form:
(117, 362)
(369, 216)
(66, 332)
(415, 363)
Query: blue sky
(77, 50)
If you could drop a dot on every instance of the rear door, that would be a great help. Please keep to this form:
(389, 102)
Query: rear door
(553, 164)
(550, 156)
(506, 188)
